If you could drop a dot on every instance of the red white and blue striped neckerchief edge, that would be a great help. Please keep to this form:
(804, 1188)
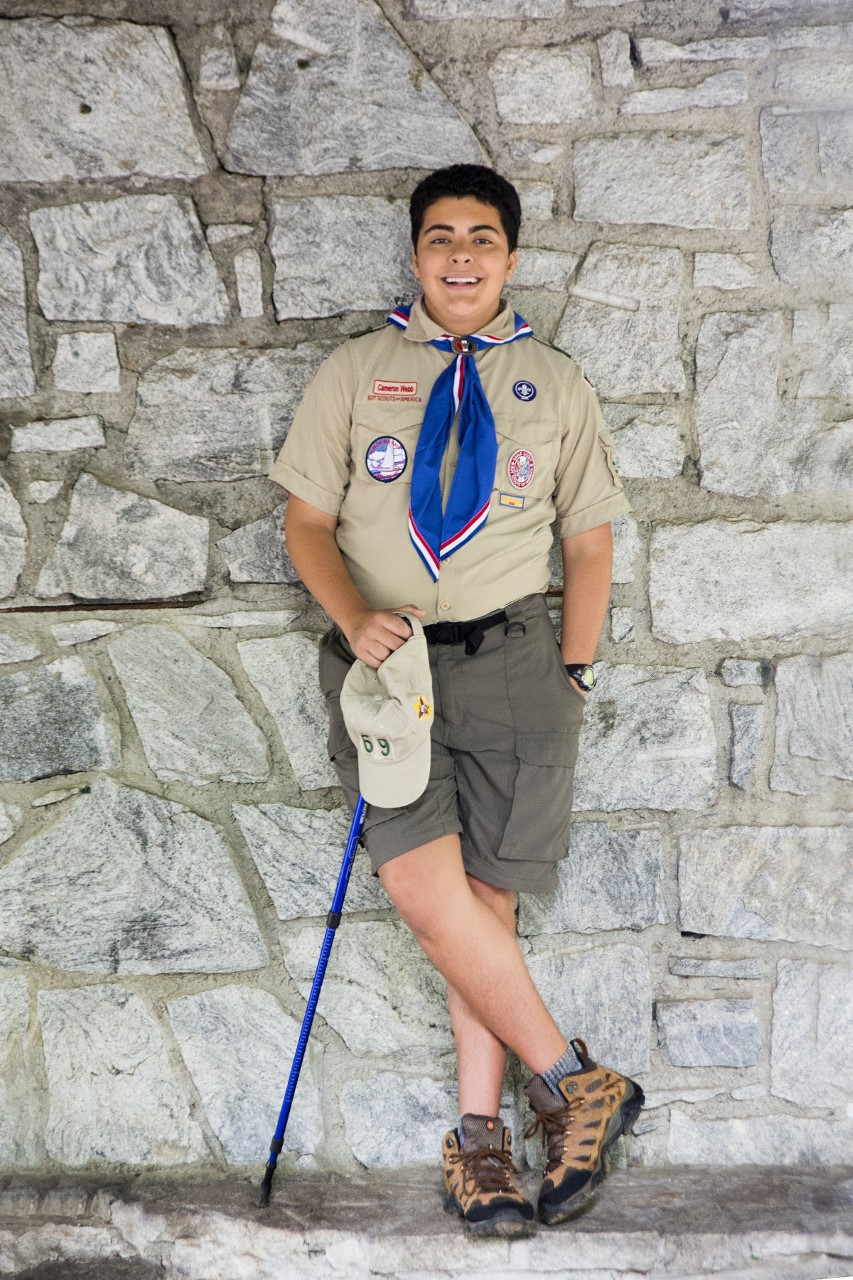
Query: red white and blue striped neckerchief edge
(436, 534)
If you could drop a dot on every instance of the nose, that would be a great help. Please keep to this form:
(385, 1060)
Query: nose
(460, 254)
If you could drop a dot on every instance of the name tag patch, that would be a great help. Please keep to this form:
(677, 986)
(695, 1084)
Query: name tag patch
(386, 459)
(512, 500)
(387, 389)
(520, 469)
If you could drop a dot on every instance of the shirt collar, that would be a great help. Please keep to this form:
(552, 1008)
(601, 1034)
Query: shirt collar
(422, 329)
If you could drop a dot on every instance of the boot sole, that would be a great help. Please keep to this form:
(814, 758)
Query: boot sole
(622, 1121)
(506, 1223)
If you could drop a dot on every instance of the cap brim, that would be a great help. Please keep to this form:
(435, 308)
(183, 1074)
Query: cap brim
(393, 786)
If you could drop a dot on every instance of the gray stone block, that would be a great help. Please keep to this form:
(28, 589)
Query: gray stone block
(744, 579)
(238, 1044)
(709, 1033)
(87, 362)
(812, 249)
(761, 1140)
(16, 366)
(632, 348)
(21, 1117)
(51, 722)
(659, 53)
(311, 236)
(117, 545)
(614, 55)
(727, 89)
(338, 73)
(542, 86)
(136, 258)
(257, 551)
(94, 100)
(217, 414)
(823, 340)
(807, 153)
(298, 853)
(741, 671)
(672, 765)
(380, 993)
(793, 883)
(124, 882)
(14, 650)
(810, 1062)
(61, 435)
(441, 10)
(747, 729)
(726, 270)
(186, 710)
(610, 880)
(250, 285)
(283, 669)
(394, 1120)
(69, 633)
(681, 180)
(114, 1096)
(602, 995)
(814, 735)
(817, 80)
(217, 69)
(646, 439)
(686, 967)
(13, 540)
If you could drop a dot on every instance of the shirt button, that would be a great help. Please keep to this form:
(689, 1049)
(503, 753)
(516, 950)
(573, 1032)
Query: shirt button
(444, 604)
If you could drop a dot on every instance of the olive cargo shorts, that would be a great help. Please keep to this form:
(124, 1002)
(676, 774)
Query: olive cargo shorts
(504, 746)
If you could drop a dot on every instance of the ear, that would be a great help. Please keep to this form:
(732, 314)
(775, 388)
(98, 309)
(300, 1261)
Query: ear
(415, 270)
(511, 264)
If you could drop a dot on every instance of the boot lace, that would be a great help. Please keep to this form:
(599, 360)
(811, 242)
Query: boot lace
(486, 1169)
(556, 1129)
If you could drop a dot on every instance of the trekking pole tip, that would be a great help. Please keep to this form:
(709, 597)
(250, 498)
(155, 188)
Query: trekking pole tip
(265, 1188)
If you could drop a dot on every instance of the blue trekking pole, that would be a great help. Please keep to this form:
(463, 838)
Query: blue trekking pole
(332, 921)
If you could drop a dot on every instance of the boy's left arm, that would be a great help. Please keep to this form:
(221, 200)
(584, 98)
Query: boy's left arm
(587, 575)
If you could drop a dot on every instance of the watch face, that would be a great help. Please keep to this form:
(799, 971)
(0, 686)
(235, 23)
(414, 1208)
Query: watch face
(588, 674)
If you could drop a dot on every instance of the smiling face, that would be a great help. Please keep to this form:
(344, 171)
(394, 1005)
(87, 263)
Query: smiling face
(462, 260)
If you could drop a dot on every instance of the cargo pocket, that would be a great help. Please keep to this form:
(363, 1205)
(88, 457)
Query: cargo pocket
(541, 814)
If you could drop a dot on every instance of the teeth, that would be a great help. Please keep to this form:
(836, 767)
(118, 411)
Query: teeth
(461, 279)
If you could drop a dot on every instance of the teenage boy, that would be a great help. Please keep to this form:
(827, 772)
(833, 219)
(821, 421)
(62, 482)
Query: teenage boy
(425, 467)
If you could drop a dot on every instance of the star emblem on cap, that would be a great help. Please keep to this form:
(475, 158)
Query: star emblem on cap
(423, 708)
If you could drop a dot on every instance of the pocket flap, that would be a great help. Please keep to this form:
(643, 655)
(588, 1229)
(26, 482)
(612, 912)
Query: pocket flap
(547, 748)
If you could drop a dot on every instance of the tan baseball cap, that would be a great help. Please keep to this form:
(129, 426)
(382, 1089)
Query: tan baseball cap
(388, 713)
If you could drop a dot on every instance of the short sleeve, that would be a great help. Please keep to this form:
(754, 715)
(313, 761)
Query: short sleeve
(314, 461)
(588, 489)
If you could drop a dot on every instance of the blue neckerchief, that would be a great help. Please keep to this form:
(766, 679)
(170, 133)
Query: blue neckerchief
(436, 534)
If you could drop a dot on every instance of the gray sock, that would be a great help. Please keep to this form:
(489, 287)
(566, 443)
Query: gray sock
(565, 1066)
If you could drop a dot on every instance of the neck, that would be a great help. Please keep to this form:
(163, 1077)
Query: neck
(460, 328)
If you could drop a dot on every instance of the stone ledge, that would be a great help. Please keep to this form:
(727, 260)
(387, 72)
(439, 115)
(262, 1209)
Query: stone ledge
(648, 1224)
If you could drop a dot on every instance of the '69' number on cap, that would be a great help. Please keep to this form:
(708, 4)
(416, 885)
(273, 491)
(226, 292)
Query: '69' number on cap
(384, 745)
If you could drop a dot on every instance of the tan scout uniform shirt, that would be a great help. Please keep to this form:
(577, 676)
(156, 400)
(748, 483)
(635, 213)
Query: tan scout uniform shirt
(377, 385)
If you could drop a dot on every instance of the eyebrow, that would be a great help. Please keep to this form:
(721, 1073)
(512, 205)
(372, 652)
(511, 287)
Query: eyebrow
(440, 226)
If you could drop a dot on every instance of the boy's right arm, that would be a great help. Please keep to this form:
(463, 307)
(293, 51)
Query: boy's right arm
(372, 633)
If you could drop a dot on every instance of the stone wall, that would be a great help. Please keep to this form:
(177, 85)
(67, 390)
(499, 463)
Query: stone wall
(197, 204)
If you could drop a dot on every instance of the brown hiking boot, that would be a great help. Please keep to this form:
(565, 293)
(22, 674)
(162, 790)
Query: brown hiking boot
(595, 1106)
(480, 1180)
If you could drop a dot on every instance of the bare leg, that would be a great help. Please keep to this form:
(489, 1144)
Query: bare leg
(473, 949)
(480, 1055)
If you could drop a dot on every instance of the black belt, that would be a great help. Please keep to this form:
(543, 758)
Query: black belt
(473, 632)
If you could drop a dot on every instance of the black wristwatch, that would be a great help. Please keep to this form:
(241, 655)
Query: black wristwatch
(583, 673)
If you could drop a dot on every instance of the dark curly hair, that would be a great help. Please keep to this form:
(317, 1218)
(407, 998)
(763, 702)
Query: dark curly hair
(467, 180)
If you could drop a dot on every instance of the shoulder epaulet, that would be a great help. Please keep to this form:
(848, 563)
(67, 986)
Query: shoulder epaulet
(362, 333)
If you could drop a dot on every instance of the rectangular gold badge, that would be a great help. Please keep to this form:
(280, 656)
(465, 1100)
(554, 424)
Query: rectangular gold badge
(512, 500)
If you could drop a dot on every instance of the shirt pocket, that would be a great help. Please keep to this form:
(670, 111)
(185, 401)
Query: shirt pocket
(527, 456)
(383, 452)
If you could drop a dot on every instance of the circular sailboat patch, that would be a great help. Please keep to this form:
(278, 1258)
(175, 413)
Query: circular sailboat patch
(520, 468)
(386, 459)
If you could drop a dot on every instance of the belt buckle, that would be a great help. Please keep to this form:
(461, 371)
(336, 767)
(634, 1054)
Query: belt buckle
(444, 632)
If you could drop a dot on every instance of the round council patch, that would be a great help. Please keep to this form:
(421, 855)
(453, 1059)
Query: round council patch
(520, 468)
(524, 390)
(386, 459)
